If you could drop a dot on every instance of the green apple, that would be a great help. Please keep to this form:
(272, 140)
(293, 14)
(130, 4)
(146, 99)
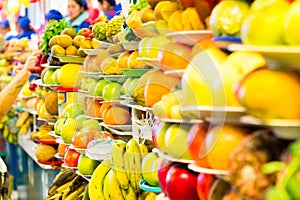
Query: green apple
(91, 123)
(112, 91)
(176, 144)
(155, 167)
(91, 88)
(38, 90)
(131, 87)
(125, 85)
(81, 118)
(291, 24)
(68, 129)
(73, 110)
(147, 165)
(54, 77)
(58, 125)
(99, 87)
(86, 165)
(47, 78)
(83, 84)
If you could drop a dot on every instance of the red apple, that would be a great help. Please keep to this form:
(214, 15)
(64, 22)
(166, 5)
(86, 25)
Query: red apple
(32, 85)
(181, 183)
(44, 59)
(195, 139)
(38, 60)
(163, 169)
(204, 184)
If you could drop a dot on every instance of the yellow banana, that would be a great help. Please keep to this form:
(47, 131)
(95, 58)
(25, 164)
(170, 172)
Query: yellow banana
(105, 188)
(135, 164)
(22, 118)
(175, 22)
(118, 149)
(129, 194)
(186, 21)
(144, 150)
(97, 180)
(75, 194)
(195, 19)
(143, 195)
(115, 192)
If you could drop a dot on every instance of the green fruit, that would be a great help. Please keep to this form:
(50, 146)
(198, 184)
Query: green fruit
(91, 88)
(147, 165)
(86, 165)
(73, 110)
(99, 30)
(91, 123)
(99, 87)
(111, 91)
(47, 78)
(68, 129)
(58, 125)
(54, 77)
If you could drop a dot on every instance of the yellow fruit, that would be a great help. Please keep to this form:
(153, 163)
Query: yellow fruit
(57, 50)
(77, 40)
(65, 41)
(164, 9)
(53, 40)
(71, 50)
(68, 76)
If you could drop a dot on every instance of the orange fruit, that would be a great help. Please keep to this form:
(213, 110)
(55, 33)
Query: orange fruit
(132, 62)
(117, 115)
(174, 56)
(104, 107)
(93, 109)
(203, 44)
(220, 142)
(62, 149)
(123, 58)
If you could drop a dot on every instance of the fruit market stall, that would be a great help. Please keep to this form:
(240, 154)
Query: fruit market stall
(172, 100)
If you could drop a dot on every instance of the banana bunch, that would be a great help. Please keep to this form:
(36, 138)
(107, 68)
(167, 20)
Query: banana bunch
(188, 19)
(43, 133)
(67, 185)
(24, 122)
(118, 177)
(2, 121)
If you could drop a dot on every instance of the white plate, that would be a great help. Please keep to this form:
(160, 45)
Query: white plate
(52, 133)
(170, 158)
(92, 52)
(130, 46)
(59, 140)
(116, 55)
(94, 97)
(79, 150)
(277, 56)
(126, 128)
(215, 112)
(83, 91)
(115, 78)
(39, 82)
(86, 177)
(89, 117)
(177, 73)
(46, 120)
(282, 128)
(153, 62)
(58, 156)
(217, 172)
(104, 44)
(91, 73)
(190, 37)
(115, 131)
(181, 121)
(70, 59)
(134, 105)
(66, 166)
(46, 65)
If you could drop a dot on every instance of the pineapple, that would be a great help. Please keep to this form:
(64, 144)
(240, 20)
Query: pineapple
(99, 31)
(114, 26)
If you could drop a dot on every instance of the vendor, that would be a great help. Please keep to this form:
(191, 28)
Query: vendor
(109, 8)
(6, 31)
(53, 15)
(78, 17)
(23, 27)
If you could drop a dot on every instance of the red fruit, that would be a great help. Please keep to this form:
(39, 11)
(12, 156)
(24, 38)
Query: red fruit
(44, 59)
(181, 183)
(83, 137)
(204, 184)
(32, 85)
(38, 69)
(71, 157)
(163, 169)
(196, 138)
(38, 60)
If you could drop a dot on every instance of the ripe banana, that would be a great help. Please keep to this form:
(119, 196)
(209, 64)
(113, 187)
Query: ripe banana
(143, 195)
(194, 18)
(118, 149)
(74, 187)
(144, 150)
(105, 188)
(22, 118)
(75, 194)
(114, 189)
(186, 21)
(129, 194)
(97, 181)
(134, 163)
(64, 176)
(175, 22)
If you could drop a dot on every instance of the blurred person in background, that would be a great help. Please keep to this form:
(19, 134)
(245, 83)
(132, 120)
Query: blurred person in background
(53, 15)
(93, 13)
(24, 28)
(6, 31)
(110, 8)
(78, 17)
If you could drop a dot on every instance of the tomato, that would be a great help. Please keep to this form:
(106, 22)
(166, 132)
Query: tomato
(71, 158)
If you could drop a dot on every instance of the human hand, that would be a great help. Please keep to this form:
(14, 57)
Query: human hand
(30, 62)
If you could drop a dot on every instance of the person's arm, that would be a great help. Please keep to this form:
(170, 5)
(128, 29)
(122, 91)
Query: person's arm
(11, 91)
